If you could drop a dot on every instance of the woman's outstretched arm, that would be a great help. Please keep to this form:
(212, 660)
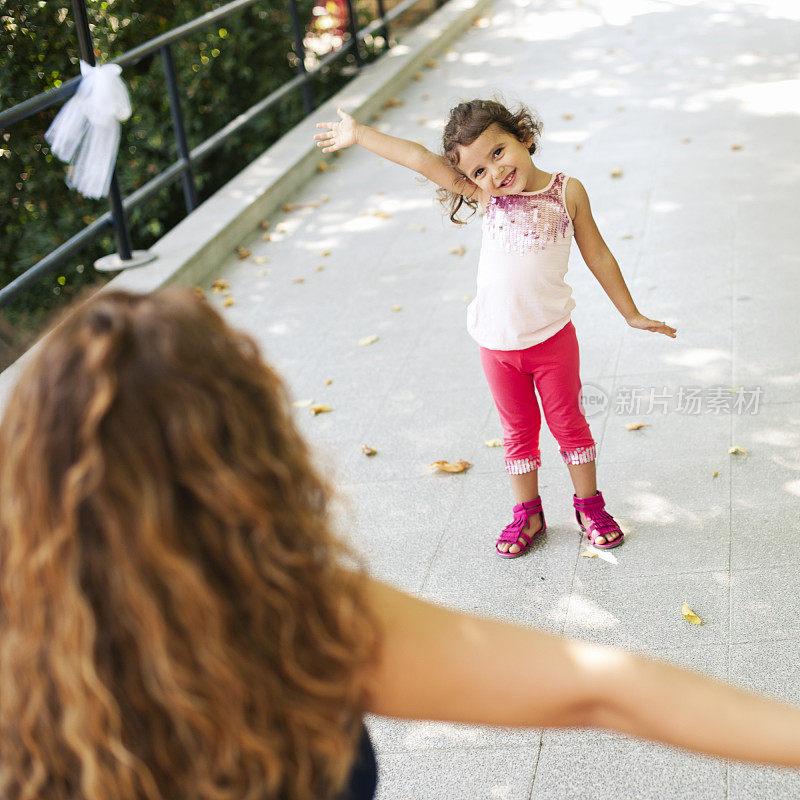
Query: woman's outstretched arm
(443, 665)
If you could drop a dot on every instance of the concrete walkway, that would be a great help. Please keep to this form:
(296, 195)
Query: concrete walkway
(694, 107)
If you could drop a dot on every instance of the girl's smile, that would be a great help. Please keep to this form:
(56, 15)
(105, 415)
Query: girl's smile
(498, 163)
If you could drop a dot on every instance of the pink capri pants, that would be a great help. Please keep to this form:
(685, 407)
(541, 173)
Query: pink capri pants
(553, 368)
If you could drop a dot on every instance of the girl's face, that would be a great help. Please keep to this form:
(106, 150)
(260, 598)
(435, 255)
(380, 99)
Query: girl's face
(497, 162)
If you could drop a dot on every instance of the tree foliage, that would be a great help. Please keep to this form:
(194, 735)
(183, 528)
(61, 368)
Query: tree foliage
(222, 70)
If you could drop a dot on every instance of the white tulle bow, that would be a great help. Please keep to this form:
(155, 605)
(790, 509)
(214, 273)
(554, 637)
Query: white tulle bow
(86, 131)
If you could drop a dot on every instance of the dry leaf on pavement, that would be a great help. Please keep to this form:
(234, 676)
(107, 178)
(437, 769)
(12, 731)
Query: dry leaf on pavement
(220, 284)
(431, 64)
(736, 147)
(367, 340)
(228, 301)
(319, 409)
(417, 76)
(319, 268)
(287, 207)
(451, 466)
(200, 292)
(458, 251)
(298, 280)
(616, 173)
(392, 102)
(368, 451)
(328, 381)
(242, 252)
(690, 616)
(494, 442)
(322, 166)
(567, 116)
(260, 259)
(737, 451)
(383, 215)
(589, 553)
(635, 426)
(264, 224)
(325, 252)
(267, 237)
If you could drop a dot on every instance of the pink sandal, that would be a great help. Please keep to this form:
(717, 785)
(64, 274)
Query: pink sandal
(513, 532)
(601, 523)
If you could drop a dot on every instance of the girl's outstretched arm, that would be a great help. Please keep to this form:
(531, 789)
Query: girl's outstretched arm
(439, 664)
(347, 132)
(602, 263)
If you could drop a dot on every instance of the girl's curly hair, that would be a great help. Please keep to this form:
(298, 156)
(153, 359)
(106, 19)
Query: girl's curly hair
(176, 620)
(467, 121)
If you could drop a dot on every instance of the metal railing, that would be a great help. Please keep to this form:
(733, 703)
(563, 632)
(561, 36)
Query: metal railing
(181, 169)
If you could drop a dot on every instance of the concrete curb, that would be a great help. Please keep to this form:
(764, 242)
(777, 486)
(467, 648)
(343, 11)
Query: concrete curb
(204, 239)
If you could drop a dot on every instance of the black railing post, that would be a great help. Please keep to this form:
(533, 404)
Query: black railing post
(353, 25)
(189, 189)
(86, 49)
(300, 53)
(385, 27)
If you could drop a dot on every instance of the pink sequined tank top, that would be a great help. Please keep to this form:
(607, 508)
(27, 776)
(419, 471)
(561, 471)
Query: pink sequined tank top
(522, 297)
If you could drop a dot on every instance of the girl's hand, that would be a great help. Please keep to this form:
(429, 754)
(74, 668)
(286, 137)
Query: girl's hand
(339, 134)
(641, 322)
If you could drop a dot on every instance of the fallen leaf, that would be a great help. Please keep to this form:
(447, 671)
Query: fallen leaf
(714, 474)
(219, 284)
(266, 237)
(325, 252)
(627, 236)
(325, 198)
(260, 259)
(243, 252)
(466, 298)
(686, 140)
(451, 466)
(367, 340)
(737, 451)
(494, 442)
(302, 403)
(397, 308)
(368, 451)
(228, 301)
(264, 224)
(417, 76)
(287, 207)
(383, 215)
(200, 292)
(319, 409)
(298, 280)
(431, 64)
(319, 268)
(328, 381)
(635, 426)
(422, 121)
(578, 146)
(616, 173)
(458, 251)
(736, 147)
(393, 102)
(690, 616)
(589, 553)
(567, 116)
(322, 166)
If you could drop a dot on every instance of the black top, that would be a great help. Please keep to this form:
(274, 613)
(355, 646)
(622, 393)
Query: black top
(364, 775)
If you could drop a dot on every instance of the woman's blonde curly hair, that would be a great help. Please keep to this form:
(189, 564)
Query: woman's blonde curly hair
(176, 619)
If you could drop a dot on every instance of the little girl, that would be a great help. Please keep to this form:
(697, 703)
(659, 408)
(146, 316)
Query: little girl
(520, 316)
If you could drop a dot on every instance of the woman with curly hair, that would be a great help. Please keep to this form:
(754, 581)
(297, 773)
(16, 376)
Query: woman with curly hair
(178, 620)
